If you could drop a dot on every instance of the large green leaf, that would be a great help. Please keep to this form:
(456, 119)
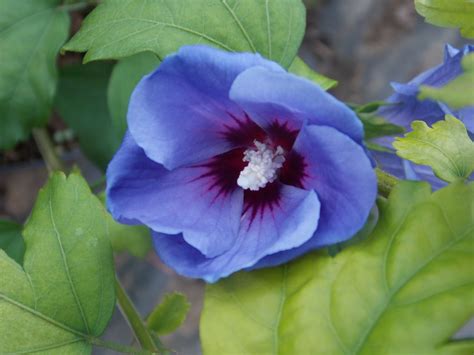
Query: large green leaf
(169, 314)
(459, 92)
(125, 76)
(82, 103)
(446, 148)
(405, 290)
(449, 13)
(31, 34)
(65, 293)
(119, 28)
(299, 67)
(11, 240)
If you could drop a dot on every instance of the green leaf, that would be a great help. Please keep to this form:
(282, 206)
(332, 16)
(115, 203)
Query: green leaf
(169, 314)
(117, 28)
(446, 148)
(32, 32)
(125, 76)
(65, 293)
(376, 126)
(11, 240)
(449, 13)
(82, 103)
(404, 290)
(377, 147)
(370, 107)
(459, 92)
(134, 239)
(299, 67)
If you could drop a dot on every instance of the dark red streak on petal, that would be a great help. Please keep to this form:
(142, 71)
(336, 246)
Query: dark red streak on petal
(293, 170)
(223, 171)
(243, 132)
(282, 135)
(257, 202)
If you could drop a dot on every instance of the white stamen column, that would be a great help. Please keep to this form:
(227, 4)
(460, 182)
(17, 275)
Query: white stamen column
(262, 167)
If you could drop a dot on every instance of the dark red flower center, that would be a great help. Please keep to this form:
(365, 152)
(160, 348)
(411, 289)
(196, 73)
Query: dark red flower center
(224, 170)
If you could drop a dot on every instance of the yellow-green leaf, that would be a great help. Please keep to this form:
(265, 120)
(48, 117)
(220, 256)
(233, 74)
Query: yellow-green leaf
(449, 13)
(404, 290)
(446, 148)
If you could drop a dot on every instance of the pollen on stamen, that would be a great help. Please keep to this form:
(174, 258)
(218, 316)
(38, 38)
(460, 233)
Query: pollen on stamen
(262, 168)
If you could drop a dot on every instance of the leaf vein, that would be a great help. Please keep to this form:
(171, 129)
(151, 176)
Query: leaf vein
(66, 267)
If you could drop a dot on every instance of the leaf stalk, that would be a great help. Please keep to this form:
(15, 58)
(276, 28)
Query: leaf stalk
(46, 148)
(134, 320)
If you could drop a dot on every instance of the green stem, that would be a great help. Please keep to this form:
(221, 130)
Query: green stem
(143, 336)
(385, 182)
(46, 148)
(117, 347)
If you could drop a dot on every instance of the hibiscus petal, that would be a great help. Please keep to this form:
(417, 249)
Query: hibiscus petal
(177, 114)
(466, 115)
(285, 226)
(185, 200)
(270, 96)
(406, 107)
(341, 173)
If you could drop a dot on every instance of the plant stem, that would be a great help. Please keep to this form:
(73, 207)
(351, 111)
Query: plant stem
(117, 347)
(46, 148)
(143, 336)
(385, 182)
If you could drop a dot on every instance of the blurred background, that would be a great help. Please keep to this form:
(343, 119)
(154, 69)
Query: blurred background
(364, 44)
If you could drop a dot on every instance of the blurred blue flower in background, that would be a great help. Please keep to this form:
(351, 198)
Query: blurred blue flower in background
(234, 163)
(405, 107)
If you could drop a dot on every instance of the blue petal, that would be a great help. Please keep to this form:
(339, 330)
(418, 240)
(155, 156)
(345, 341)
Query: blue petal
(449, 52)
(342, 175)
(178, 201)
(178, 112)
(283, 228)
(466, 115)
(264, 93)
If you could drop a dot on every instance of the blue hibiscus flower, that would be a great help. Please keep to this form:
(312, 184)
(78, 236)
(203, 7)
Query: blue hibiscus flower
(405, 107)
(234, 163)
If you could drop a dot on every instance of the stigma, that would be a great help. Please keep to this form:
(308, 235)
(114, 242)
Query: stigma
(263, 164)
